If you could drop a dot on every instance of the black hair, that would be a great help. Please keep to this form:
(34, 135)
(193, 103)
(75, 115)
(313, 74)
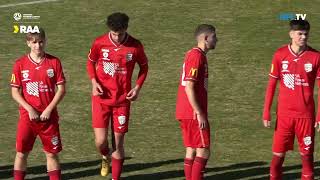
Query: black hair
(117, 21)
(297, 25)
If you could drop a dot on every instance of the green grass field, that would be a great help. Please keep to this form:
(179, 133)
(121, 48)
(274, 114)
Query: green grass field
(248, 32)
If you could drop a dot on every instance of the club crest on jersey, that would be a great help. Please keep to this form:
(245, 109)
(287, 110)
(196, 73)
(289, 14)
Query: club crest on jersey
(50, 73)
(285, 65)
(129, 57)
(25, 75)
(55, 140)
(122, 120)
(308, 67)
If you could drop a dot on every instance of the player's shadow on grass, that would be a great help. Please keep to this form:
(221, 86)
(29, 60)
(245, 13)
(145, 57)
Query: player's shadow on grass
(251, 170)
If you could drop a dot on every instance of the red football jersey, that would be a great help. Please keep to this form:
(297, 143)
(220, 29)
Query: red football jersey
(195, 68)
(114, 67)
(297, 75)
(37, 80)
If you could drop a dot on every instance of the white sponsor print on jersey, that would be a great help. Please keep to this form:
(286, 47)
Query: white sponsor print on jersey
(307, 140)
(122, 120)
(288, 80)
(33, 88)
(308, 67)
(285, 65)
(50, 73)
(25, 75)
(110, 68)
(105, 54)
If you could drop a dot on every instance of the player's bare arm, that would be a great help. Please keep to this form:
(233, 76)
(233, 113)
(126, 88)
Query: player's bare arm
(191, 94)
(268, 101)
(96, 88)
(133, 93)
(16, 95)
(61, 90)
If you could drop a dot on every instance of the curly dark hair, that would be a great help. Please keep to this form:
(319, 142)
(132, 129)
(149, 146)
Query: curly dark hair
(117, 21)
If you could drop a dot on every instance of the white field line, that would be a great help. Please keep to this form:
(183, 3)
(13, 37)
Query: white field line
(26, 3)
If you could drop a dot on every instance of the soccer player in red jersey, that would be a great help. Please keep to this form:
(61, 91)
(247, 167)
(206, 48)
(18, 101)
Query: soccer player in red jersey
(38, 85)
(110, 65)
(296, 66)
(192, 103)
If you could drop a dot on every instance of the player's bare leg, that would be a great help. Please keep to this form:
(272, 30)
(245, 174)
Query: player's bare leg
(118, 156)
(276, 166)
(20, 165)
(188, 162)
(53, 166)
(307, 167)
(101, 141)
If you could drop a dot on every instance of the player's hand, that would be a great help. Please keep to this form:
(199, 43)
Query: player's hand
(96, 89)
(133, 94)
(317, 126)
(202, 120)
(33, 115)
(266, 123)
(45, 115)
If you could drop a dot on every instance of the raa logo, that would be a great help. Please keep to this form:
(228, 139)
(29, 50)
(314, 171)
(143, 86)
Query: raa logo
(25, 29)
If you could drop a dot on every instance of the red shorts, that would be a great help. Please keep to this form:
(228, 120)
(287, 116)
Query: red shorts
(193, 136)
(287, 128)
(101, 114)
(27, 132)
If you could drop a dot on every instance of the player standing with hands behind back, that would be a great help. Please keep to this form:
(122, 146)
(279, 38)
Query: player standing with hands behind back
(296, 66)
(110, 66)
(192, 103)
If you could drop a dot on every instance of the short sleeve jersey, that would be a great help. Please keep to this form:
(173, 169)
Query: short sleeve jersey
(195, 68)
(297, 75)
(114, 66)
(37, 80)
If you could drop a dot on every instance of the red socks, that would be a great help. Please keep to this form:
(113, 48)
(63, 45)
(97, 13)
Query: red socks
(307, 167)
(55, 174)
(188, 168)
(116, 168)
(19, 175)
(198, 167)
(276, 168)
(104, 151)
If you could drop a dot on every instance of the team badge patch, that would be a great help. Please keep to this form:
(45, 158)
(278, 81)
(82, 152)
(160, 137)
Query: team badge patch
(25, 75)
(285, 65)
(307, 140)
(55, 140)
(50, 73)
(122, 120)
(129, 57)
(308, 67)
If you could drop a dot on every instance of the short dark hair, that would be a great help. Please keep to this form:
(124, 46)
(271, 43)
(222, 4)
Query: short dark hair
(204, 28)
(37, 36)
(117, 21)
(297, 25)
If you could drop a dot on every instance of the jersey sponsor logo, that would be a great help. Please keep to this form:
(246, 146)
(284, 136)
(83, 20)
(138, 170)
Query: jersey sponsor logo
(55, 140)
(33, 88)
(307, 140)
(288, 80)
(25, 75)
(308, 67)
(129, 57)
(285, 65)
(13, 78)
(193, 72)
(110, 68)
(122, 120)
(105, 54)
(50, 73)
